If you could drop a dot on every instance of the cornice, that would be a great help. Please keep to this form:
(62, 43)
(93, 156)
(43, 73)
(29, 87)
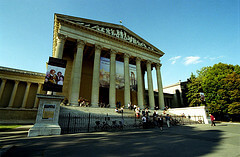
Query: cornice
(23, 72)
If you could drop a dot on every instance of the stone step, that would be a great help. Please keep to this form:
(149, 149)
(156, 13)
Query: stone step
(102, 111)
(92, 110)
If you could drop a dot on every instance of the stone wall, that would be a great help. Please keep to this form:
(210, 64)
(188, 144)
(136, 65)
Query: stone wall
(17, 116)
(192, 111)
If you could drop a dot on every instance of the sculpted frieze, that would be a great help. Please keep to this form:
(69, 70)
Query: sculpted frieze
(118, 33)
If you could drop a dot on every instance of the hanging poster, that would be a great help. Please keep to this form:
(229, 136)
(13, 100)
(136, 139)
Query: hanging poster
(105, 74)
(55, 75)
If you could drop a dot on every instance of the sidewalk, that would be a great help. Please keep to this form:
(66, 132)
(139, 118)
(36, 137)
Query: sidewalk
(191, 140)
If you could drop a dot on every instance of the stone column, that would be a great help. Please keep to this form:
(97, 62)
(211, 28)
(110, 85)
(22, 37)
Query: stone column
(96, 74)
(160, 87)
(139, 83)
(38, 92)
(127, 97)
(150, 85)
(24, 103)
(60, 45)
(76, 74)
(10, 105)
(143, 86)
(2, 87)
(112, 88)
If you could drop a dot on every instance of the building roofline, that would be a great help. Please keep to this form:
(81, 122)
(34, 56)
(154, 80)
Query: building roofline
(24, 72)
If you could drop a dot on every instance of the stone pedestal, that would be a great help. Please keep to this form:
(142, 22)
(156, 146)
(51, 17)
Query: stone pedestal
(47, 116)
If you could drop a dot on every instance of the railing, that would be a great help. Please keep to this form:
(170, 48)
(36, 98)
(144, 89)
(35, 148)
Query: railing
(182, 120)
(72, 123)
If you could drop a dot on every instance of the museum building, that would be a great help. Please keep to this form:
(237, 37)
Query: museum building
(88, 46)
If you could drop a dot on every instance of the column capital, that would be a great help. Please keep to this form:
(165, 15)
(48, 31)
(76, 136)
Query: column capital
(126, 55)
(81, 43)
(158, 65)
(61, 36)
(29, 83)
(98, 47)
(149, 62)
(113, 52)
(138, 59)
(4, 80)
(16, 81)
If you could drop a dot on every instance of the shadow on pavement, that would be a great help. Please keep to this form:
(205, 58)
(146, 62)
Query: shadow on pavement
(175, 141)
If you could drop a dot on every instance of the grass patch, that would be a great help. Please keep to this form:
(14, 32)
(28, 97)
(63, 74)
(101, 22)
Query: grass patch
(8, 127)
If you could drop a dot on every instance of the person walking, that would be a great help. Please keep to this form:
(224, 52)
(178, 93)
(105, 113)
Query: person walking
(144, 121)
(168, 120)
(160, 122)
(212, 120)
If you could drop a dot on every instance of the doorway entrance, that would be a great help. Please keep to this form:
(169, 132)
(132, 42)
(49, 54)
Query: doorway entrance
(103, 97)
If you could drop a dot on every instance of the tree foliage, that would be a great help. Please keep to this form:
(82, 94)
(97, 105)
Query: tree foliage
(194, 87)
(221, 87)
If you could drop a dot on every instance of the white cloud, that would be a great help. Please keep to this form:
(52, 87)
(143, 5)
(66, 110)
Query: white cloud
(174, 59)
(192, 60)
(213, 58)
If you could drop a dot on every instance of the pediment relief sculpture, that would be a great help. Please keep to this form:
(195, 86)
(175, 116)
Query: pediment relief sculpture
(115, 32)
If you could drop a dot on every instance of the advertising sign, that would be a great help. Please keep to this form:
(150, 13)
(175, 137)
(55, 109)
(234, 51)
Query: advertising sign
(55, 75)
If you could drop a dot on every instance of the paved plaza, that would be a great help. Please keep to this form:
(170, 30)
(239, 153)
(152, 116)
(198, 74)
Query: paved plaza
(188, 141)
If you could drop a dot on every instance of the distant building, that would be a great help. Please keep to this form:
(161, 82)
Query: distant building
(175, 95)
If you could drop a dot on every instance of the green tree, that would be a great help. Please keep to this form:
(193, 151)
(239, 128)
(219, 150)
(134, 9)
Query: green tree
(221, 86)
(194, 87)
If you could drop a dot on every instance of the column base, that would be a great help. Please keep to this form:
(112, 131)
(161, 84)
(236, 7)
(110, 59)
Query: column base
(94, 105)
(74, 104)
(151, 108)
(112, 106)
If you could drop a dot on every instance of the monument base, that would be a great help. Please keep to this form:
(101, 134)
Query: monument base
(44, 130)
(47, 116)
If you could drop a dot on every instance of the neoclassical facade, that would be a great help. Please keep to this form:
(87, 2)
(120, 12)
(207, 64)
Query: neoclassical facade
(82, 42)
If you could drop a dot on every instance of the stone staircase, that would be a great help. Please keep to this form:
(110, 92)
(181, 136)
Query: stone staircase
(103, 111)
(97, 111)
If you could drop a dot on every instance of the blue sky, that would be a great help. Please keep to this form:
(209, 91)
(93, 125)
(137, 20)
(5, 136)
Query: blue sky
(192, 33)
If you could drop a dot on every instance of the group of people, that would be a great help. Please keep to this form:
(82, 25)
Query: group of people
(103, 105)
(119, 110)
(119, 107)
(157, 120)
(132, 107)
(52, 77)
(82, 102)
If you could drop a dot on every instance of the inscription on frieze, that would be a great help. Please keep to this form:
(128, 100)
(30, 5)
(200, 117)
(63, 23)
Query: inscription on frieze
(118, 33)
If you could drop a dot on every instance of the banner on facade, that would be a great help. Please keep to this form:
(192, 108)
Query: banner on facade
(55, 75)
(105, 74)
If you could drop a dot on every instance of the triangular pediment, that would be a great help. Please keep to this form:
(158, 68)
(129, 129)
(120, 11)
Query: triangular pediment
(115, 30)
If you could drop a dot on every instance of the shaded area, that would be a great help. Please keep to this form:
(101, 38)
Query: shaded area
(175, 141)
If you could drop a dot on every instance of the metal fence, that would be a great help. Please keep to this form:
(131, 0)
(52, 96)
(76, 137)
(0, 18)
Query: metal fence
(182, 120)
(72, 123)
